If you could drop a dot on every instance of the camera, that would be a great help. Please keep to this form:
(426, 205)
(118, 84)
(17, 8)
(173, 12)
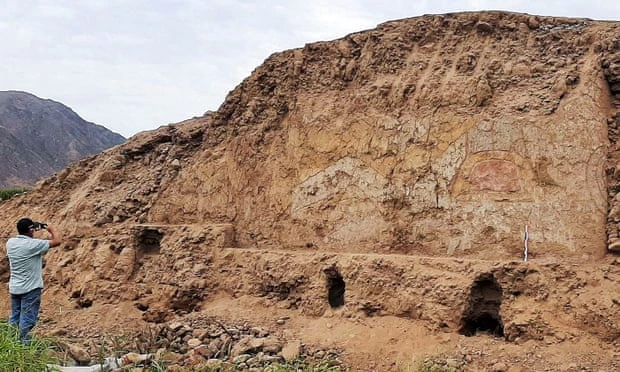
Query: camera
(39, 225)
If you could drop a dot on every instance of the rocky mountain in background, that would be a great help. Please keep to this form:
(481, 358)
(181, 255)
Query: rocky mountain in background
(368, 196)
(39, 137)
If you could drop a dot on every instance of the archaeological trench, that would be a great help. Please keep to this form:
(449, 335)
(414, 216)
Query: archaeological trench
(387, 176)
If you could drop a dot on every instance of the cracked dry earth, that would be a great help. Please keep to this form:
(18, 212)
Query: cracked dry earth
(362, 201)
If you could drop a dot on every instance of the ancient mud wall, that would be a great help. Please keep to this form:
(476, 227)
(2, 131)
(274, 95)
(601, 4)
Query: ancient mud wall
(439, 136)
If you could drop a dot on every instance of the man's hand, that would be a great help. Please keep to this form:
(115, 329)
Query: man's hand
(56, 240)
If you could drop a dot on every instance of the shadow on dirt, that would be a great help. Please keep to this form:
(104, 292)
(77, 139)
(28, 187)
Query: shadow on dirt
(482, 313)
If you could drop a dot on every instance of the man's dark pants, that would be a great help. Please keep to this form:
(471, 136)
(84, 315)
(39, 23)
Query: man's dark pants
(25, 312)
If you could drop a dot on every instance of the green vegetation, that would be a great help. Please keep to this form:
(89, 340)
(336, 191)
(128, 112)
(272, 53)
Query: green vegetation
(292, 366)
(437, 368)
(14, 356)
(437, 363)
(8, 194)
(301, 366)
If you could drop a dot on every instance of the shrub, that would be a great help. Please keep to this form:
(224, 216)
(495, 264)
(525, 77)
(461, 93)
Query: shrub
(8, 194)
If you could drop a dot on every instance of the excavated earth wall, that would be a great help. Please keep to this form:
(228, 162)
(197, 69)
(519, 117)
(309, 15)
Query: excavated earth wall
(386, 175)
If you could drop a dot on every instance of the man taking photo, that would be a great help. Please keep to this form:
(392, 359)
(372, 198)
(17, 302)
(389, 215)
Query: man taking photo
(26, 281)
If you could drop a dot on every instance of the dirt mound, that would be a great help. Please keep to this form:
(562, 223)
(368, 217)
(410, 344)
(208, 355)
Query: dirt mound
(373, 191)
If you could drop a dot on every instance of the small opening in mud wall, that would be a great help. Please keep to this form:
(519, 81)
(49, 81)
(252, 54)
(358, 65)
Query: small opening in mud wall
(335, 287)
(149, 240)
(482, 313)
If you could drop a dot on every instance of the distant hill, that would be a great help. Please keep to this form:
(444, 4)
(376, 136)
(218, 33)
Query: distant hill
(39, 137)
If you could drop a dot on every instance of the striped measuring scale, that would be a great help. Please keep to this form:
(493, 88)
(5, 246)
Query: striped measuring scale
(527, 236)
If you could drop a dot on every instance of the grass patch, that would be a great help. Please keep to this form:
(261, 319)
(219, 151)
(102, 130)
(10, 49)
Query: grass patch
(14, 356)
(303, 366)
(298, 365)
(9, 193)
(432, 364)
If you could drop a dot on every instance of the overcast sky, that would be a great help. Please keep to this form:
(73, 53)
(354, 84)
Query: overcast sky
(134, 65)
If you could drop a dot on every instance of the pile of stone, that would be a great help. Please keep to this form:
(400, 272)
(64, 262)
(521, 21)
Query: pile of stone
(202, 344)
(217, 345)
